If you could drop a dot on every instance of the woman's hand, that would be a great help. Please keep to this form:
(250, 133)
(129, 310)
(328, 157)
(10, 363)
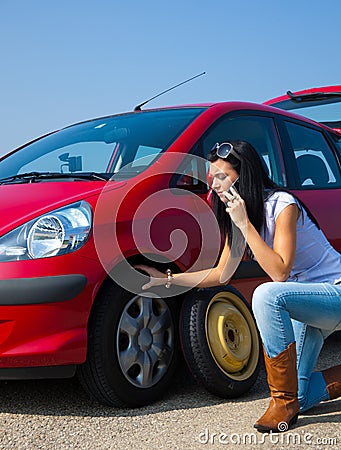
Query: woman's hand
(157, 278)
(236, 209)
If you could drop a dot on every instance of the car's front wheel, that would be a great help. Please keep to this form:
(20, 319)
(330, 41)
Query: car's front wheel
(220, 340)
(132, 348)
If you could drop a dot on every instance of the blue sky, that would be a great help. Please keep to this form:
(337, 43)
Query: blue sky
(63, 61)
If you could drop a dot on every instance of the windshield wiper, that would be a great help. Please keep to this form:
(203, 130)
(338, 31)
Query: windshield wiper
(32, 177)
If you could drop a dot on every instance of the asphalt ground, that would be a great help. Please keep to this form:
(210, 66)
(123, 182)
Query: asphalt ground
(57, 414)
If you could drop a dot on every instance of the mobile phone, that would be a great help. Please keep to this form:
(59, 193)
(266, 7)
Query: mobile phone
(235, 185)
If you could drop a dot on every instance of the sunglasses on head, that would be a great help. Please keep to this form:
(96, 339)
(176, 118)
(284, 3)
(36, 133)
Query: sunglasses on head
(224, 149)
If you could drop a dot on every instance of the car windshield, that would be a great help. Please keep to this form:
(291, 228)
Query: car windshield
(123, 145)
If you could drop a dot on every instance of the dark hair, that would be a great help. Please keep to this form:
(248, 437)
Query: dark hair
(255, 186)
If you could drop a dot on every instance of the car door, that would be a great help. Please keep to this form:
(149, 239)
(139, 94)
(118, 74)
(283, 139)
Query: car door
(260, 130)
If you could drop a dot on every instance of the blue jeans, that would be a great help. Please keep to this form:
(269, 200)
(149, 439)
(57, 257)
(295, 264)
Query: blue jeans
(305, 313)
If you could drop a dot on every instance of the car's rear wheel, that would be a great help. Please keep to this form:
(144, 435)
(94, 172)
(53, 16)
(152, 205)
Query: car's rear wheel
(220, 340)
(132, 348)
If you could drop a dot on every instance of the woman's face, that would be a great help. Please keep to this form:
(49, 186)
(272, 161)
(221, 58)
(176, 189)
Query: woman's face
(223, 176)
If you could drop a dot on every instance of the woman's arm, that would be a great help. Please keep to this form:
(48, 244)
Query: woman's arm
(276, 262)
(202, 278)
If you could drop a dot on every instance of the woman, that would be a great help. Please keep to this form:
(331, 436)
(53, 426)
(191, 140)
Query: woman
(302, 305)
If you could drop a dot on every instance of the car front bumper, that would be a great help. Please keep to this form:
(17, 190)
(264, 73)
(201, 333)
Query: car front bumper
(44, 312)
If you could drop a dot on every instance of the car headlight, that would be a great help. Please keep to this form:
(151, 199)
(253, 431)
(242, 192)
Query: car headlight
(61, 231)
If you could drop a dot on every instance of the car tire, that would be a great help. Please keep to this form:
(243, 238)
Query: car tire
(133, 348)
(220, 340)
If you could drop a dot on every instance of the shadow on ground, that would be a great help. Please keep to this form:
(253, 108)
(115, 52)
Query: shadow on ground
(67, 398)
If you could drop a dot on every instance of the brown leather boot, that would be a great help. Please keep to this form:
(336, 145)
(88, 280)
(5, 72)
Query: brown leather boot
(332, 377)
(282, 379)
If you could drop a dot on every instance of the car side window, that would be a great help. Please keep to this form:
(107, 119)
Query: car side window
(191, 175)
(259, 131)
(315, 162)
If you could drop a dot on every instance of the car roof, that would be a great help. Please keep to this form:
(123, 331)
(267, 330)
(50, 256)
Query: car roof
(242, 105)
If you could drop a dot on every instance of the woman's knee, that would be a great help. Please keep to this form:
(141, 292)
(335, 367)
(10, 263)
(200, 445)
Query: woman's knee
(263, 297)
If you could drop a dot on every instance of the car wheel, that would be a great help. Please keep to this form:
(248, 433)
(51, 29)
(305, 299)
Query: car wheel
(132, 348)
(220, 340)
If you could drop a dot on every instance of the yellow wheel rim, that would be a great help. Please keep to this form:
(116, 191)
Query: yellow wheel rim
(232, 335)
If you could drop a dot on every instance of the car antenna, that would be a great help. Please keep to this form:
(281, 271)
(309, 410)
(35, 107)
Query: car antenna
(138, 107)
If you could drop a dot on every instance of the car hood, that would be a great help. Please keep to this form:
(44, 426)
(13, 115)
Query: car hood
(25, 201)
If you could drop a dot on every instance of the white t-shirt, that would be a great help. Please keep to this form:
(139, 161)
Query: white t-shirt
(316, 260)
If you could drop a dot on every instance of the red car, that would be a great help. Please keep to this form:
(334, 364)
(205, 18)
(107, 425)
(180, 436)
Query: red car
(83, 205)
(321, 104)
